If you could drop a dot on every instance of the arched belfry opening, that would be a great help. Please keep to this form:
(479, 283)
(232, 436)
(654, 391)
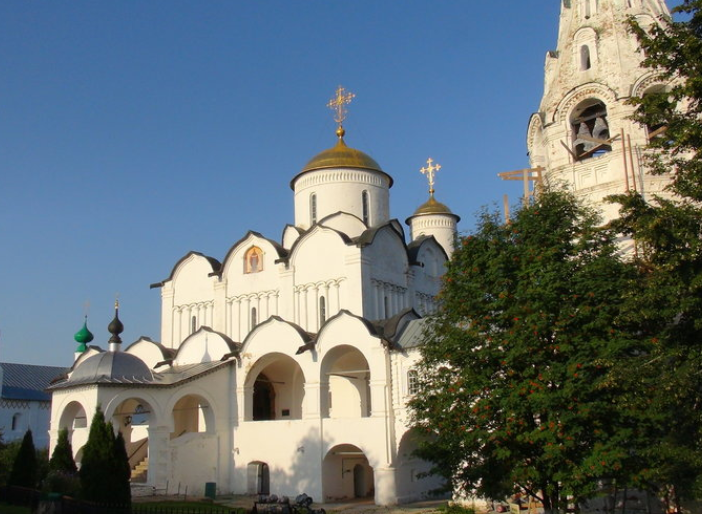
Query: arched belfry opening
(590, 129)
(275, 389)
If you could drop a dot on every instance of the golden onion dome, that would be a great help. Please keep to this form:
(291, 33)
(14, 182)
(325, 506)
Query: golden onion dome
(432, 207)
(341, 156)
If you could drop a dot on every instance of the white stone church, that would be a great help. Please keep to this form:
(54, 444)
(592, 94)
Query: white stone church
(287, 366)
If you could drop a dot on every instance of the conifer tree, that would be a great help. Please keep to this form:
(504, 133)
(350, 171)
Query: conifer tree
(97, 472)
(515, 377)
(25, 468)
(62, 456)
(122, 472)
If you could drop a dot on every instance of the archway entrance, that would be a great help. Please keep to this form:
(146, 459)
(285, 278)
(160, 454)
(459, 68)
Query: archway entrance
(263, 399)
(258, 479)
(133, 417)
(346, 474)
(359, 481)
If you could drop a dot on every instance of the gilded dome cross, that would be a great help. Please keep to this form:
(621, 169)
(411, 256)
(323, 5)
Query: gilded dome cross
(339, 103)
(430, 171)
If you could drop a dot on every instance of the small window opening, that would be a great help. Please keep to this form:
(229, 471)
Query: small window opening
(386, 306)
(193, 324)
(585, 62)
(254, 317)
(364, 199)
(322, 310)
(313, 208)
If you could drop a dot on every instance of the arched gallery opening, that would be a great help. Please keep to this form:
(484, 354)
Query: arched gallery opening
(275, 389)
(74, 419)
(346, 474)
(345, 384)
(192, 414)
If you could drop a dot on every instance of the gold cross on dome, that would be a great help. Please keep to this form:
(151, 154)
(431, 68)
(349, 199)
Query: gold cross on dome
(430, 171)
(339, 103)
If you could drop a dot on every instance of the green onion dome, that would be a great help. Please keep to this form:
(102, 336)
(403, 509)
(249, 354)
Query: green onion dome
(83, 337)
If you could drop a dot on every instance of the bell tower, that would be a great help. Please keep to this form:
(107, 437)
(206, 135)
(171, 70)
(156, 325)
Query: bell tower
(582, 135)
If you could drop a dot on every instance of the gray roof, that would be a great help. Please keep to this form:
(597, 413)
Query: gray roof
(126, 372)
(28, 381)
(112, 366)
(412, 336)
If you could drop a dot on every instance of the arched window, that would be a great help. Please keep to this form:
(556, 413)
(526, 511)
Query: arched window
(254, 317)
(313, 208)
(590, 129)
(16, 421)
(322, 310)
(253, 260)
(412, 382)
(585, 63)
(364, 201)
(193, 324)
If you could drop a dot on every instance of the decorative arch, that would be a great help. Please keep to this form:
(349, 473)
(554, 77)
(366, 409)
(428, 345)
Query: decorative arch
(585, 48)
(534, 134)
(565, 107)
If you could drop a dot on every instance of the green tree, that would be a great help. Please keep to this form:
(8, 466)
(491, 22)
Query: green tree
(102, 475)
(122, 472)
(25, 467)
(62, 456)
(667, 375)
(8, 453)
(515, 370)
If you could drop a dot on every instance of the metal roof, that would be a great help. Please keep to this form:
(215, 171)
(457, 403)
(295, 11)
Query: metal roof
(413, 334)
(163, 377)
(28, 381)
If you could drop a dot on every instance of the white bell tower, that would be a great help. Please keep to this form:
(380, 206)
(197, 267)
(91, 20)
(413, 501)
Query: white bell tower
(582, 135)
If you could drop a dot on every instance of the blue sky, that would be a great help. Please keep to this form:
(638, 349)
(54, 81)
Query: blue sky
(133, 132)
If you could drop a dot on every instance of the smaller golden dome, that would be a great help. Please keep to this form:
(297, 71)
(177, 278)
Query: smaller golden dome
(342, 156)
(432, 207)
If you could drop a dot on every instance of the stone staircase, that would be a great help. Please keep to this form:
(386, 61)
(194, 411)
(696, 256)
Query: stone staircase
(139, 471)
